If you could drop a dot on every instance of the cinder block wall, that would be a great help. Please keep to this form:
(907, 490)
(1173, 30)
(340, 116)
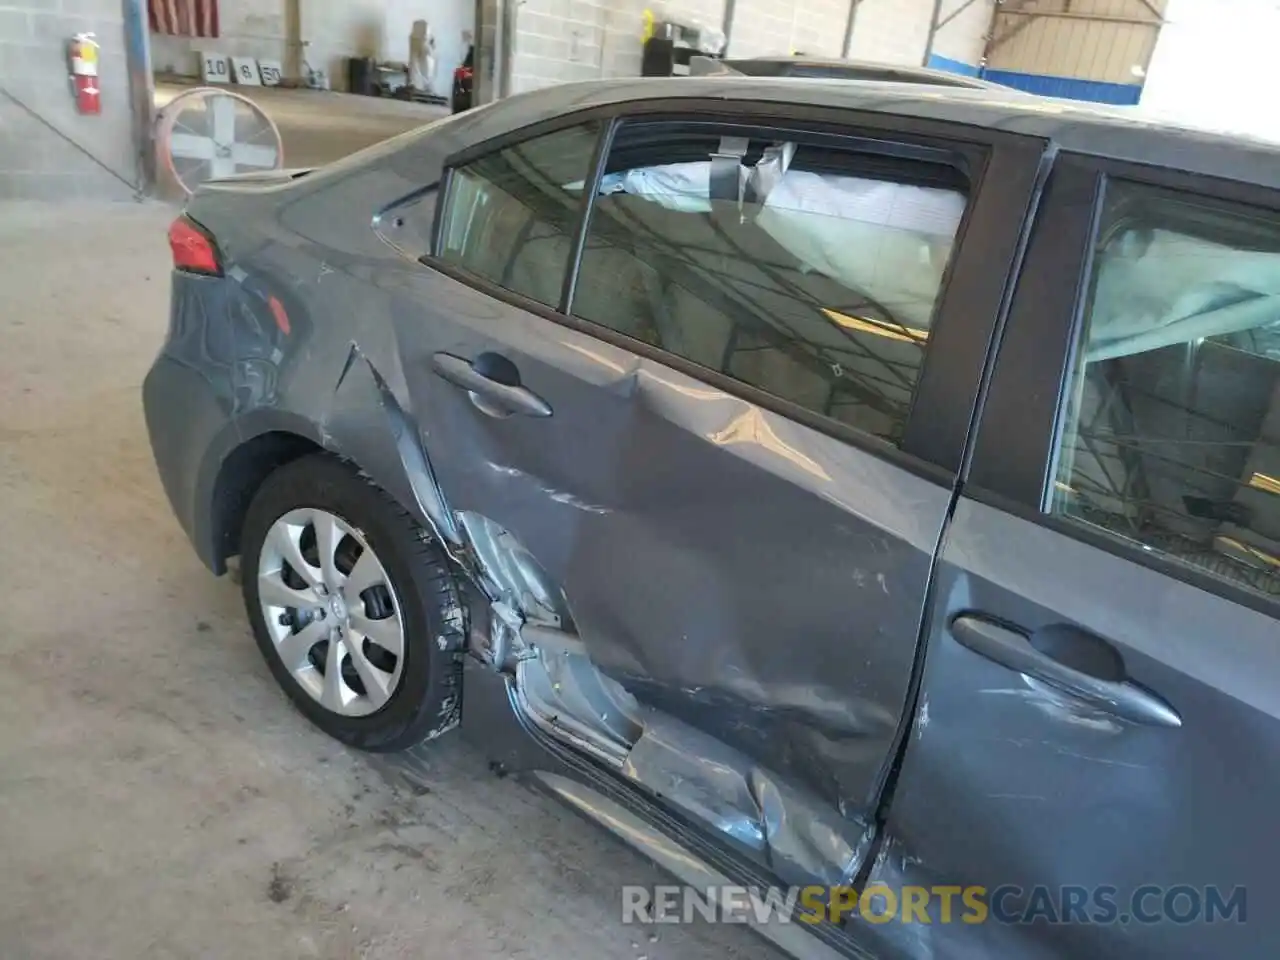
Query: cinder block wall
(45, 145)
(334, 31)
(812, 27)
(561, 40)
(564, 40)
(892, 31)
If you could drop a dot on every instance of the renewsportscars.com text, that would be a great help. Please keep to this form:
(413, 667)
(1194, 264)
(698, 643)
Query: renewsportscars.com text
(880, 903)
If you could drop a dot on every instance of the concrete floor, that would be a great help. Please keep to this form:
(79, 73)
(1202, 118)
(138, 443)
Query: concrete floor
(159, 798)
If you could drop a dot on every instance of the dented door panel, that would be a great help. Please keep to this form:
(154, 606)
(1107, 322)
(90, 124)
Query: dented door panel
(755, 582)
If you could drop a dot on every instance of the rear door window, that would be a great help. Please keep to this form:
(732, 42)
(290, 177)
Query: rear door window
(805, 270)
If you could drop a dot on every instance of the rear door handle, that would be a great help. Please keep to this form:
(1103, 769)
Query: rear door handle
(1071, 660)
(493, 383)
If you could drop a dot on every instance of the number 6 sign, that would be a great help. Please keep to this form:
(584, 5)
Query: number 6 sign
(246, 71)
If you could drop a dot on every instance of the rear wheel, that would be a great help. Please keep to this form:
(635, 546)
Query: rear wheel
(353, 606)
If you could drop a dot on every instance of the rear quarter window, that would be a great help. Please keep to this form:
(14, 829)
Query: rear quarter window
(510, 217)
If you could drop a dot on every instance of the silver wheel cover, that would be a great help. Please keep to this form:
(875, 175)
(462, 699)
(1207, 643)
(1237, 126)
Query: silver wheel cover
(331, 611)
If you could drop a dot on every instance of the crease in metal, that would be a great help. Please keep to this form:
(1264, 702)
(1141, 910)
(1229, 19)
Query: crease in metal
(662, 850)
(561, 690)
(415, 466)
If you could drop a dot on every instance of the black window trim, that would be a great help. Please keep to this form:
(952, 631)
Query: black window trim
(599, 162)
(1017, 447)
(938, 425)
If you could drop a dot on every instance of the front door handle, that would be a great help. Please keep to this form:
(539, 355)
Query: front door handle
(1071, 660)
(493, 383)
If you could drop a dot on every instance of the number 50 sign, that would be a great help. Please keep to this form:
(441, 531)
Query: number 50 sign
(271, 71)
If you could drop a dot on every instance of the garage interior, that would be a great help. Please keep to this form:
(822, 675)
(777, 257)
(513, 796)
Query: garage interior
(158, 798)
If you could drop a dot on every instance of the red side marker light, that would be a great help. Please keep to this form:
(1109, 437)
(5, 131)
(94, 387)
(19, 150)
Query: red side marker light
(277, 311)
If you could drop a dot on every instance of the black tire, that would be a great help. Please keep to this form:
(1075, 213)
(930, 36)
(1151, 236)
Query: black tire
(427, 701)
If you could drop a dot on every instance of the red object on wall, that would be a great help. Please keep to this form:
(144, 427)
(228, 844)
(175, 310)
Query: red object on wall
(82, 55)
(184, 18)
(88, 96)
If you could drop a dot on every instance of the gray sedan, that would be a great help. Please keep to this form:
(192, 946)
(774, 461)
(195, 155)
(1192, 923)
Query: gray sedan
(863, 499)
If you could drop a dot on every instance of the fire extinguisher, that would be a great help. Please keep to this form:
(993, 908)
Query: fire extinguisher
(82, 52)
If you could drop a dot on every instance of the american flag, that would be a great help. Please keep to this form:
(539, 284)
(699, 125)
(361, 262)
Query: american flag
(184, 18)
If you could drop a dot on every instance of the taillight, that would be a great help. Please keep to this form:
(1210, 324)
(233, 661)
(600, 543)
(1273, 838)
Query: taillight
(193, 250)
(462, 73)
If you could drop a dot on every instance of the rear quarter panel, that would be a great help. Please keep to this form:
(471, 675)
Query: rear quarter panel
(293, 338)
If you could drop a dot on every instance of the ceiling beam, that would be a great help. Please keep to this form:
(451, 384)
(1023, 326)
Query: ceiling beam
(955, 13)
(994, 40)
(848, 28)
(933, 32)
(1155, 11)
(1091, 17)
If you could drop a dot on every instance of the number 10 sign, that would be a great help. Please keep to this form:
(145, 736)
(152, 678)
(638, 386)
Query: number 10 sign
(215, 68)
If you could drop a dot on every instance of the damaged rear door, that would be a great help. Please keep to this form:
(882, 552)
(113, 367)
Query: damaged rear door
(700, 428)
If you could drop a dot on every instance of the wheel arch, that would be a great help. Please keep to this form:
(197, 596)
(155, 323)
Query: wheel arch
(235, 467)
